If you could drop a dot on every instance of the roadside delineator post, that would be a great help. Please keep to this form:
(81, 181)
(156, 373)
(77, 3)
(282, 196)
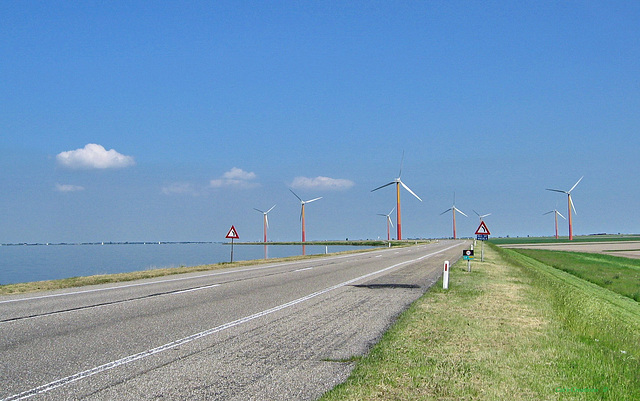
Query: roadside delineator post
(445, 276)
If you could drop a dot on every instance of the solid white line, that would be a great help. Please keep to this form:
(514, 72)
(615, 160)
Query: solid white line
(131, 358)
(301, 270)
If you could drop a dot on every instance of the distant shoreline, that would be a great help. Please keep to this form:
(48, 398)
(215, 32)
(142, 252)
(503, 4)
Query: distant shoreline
(109, 243)
(327, 242)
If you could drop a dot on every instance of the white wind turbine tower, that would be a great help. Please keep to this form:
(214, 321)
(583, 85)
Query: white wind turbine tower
(265, 220)
(389, 223)
(556, 213)
(570, 205)
(302, 212)
(454, 209)
(398, 182)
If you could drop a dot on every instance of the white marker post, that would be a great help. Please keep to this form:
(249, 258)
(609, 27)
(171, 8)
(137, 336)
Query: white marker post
(445, 276)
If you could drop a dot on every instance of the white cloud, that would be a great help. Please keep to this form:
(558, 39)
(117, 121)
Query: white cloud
(94, 156)
(68, 188)
(179, 188)
(236, 177)
(321, 183)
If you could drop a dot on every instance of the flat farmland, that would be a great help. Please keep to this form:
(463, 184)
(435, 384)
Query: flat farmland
(626, 249)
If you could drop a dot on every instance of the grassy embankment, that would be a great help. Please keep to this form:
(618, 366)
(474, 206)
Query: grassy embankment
(621, 275)
(512, 329)
(552, 240)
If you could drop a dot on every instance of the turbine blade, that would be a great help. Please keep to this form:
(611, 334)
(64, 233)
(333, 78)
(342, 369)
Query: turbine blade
(560, 214)
(445, 211)
(557, 190)
(266, 220)
(296, 195)
(258, 210)
(478, 214)
(385, 185)
(380, 214)
(394, 208)
(461, 212)
(576, 184)
(572, 205)
(410, 191)
(270, 209)
(401, 162)
(390, 222)
(313, 200)
(548, 212)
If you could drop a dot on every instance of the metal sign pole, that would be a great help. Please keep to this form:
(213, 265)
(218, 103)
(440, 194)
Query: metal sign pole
(231, 250)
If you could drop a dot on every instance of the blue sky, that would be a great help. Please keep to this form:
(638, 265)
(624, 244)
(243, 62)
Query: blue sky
(197, 112)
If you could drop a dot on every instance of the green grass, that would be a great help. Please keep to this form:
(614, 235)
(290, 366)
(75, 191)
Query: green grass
(512, 329)
(552, 240)
(621, 275)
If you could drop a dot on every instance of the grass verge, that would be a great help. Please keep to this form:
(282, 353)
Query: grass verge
(514, 328)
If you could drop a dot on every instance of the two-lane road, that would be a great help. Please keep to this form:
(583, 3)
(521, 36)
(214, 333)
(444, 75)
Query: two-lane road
(275, 331)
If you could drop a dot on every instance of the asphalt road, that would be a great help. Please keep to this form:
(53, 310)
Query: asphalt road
(266, 332)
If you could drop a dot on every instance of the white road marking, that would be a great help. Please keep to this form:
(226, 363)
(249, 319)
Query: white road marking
(194, 289)
(301, 270)
(132, 358)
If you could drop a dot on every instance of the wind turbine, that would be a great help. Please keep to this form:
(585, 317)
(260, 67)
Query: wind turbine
(453, 210)
(481, 216)
(556, 212)
(304, 237)
(389, 223)
(570, 205)
(399, 182)
(266, 220)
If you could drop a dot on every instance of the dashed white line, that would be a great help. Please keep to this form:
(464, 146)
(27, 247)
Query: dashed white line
(194, 289)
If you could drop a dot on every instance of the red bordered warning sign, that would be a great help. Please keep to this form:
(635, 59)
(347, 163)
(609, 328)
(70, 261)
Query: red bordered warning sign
(482, 229)
(232, 233)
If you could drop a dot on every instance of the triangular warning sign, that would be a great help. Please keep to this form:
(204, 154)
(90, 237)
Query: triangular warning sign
(482, 229)
(232, 233)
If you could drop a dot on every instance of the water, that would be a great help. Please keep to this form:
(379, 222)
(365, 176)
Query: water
(24, 263)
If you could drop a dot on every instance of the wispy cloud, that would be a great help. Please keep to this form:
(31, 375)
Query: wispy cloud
(94, 156)
(179, 188)
(68, 188)
(236, 177)
(322, 183)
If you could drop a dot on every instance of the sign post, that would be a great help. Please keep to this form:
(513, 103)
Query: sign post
(467, 255)
(445, 276)
(482, 234)
(233, 234)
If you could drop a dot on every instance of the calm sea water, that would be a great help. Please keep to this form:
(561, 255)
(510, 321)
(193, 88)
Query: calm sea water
(23, 263)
